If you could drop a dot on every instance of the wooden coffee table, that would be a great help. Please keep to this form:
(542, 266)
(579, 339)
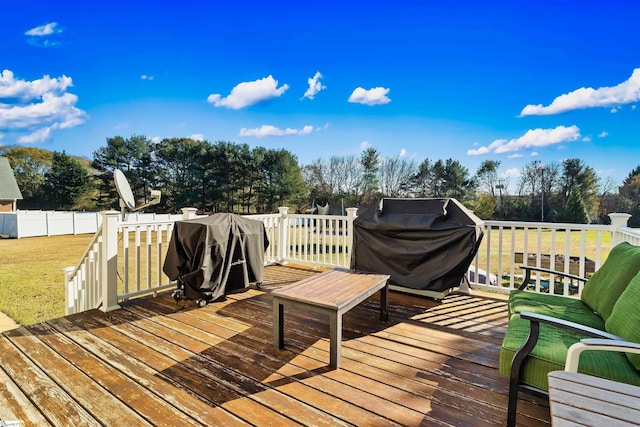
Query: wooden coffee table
(333, 292)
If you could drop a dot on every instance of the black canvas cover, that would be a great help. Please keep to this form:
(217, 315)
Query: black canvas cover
(425, 244)
(216, 254)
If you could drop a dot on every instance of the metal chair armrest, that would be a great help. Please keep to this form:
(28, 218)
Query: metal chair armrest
(528, 269)
(573, 355)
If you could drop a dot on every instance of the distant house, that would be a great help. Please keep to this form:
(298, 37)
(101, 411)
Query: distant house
(9, 190)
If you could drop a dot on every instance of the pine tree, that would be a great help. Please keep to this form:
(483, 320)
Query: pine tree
(574, 211)
(66, 182)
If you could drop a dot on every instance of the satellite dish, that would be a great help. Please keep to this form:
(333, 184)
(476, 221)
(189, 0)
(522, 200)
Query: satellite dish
(126, 195)
(124, 190)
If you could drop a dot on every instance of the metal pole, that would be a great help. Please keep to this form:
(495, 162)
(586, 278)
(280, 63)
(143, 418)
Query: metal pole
(542, 196)
(542, 207)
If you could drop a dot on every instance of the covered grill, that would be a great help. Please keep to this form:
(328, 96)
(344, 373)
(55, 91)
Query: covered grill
(213, 255)
(424, 244)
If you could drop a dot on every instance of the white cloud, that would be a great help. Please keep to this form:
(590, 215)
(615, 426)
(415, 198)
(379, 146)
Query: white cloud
(156, 139)
(28, 90)
(511, 173)
(197, 137)
(603, 134)
(587, 139)
(39, 135)
(44, 30)
(533, 138)
(37, 107)
(314, 86)
(364, 145)
(515, 156)
(44, 35)
(479, 151)
(249, 93)
(614, 96)
(534, 154)
(146, 77)
(52, 108)
(269, 130)
(403, 153)
(375, 96)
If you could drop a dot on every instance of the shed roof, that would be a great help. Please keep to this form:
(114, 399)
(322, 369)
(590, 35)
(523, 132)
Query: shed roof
(8, 186)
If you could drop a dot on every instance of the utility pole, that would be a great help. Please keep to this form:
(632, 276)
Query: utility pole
(542, 195)
(500, 187)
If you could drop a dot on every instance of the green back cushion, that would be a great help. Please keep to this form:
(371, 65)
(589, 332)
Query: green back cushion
(550, 354)
(604, 288)
(625, 317)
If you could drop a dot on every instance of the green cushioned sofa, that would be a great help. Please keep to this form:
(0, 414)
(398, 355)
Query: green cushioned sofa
(542, 327)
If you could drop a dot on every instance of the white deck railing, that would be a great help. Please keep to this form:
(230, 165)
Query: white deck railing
(82, 282)
(318, 239)
(124, 259)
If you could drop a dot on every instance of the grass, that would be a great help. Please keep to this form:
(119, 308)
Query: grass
(31, 276)
(548, 240)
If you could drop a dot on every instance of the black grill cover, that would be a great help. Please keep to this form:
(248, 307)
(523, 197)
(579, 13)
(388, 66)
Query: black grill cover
(425, 244)
(216, 254)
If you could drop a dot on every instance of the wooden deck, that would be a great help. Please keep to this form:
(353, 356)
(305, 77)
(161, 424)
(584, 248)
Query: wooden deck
(432, 364)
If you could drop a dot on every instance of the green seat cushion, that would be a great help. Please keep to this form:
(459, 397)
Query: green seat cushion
(625, 317)
(550, 354)
(603, 289)
(566, 308)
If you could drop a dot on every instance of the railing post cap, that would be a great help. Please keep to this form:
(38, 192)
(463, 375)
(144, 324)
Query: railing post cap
(619, 219)
(189, 213)
(283, 210)
(619, 215)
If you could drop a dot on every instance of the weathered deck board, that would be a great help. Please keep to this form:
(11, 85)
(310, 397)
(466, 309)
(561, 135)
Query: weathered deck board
(56, 405)
(74, 375)
(14, 404)
(432, 364)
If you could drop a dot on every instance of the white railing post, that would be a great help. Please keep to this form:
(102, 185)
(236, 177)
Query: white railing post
(188, 213)
(351, 215)
(68, 297)
(283, 235)
(617, 220)
(109, 261)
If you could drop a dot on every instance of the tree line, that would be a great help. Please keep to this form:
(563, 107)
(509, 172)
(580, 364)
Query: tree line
(230, 177)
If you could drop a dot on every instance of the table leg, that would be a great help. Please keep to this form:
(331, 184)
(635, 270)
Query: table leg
(384, 303)
(335, 339)
(278, 324)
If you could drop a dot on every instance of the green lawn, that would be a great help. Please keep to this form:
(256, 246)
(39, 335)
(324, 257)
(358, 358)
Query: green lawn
(31, 276)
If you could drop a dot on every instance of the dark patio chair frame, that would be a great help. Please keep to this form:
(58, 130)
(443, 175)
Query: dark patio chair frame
(521, 355)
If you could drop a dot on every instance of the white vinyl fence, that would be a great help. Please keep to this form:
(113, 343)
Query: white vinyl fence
(48, 223)
(33, 223)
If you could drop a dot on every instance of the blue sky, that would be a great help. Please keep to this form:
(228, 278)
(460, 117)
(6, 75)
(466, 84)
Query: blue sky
(513, 81)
